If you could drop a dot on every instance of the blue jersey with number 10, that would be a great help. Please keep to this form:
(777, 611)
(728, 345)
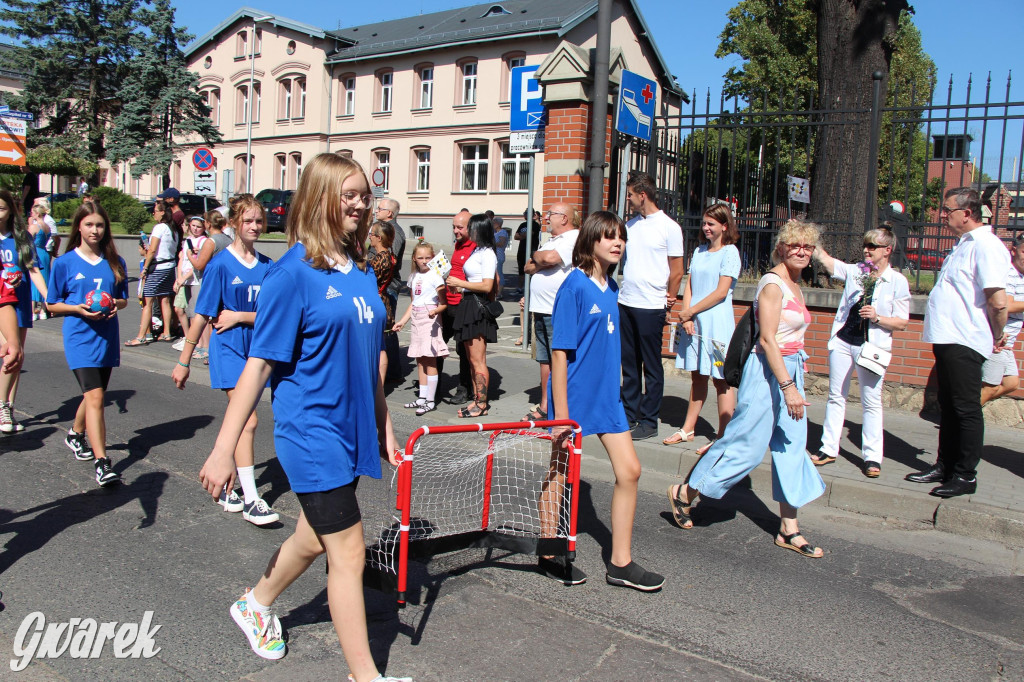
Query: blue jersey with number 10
(229, 283)
(9, 261)
(87, 343)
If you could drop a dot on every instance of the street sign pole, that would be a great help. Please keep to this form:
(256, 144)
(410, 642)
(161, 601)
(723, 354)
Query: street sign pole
(528, 333)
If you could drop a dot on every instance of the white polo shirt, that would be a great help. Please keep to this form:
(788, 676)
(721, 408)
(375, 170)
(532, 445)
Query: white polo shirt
(652, 240)
(957, 310)
(544, 283)
(891, 299)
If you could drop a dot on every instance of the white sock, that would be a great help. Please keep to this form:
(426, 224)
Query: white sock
(431, 388)
(247, 477)
(251, 598)
(423, 392)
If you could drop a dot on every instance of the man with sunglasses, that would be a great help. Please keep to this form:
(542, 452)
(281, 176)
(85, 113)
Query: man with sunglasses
(964, 323)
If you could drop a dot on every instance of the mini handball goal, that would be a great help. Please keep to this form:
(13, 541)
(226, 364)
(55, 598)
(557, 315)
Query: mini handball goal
(508, 486)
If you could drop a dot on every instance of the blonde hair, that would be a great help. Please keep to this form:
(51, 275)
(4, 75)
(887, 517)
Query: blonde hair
(422, 245)
(795, 232)
(883, 236)
(315, 215)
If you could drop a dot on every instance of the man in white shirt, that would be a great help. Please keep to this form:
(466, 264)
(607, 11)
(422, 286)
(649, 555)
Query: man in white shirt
(651, 277)
(549, 266)
(964, 323)
(999, 374)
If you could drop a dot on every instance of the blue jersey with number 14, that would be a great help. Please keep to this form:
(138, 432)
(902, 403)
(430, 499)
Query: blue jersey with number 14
(229, 283)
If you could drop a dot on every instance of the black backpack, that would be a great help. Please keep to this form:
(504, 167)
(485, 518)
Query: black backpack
(740, 346)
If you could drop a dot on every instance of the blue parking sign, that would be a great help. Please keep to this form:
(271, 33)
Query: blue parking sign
(527, 110)
(637, 103)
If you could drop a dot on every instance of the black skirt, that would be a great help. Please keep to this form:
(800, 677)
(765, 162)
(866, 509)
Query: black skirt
(473, 321)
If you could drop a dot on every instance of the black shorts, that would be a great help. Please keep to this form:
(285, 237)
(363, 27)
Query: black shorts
(331, 511)
(91, 378)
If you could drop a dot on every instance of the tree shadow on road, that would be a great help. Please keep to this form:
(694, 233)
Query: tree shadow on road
(156, 435)
(53, 518)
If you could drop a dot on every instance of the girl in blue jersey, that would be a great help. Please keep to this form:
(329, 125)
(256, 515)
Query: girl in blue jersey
(231, 285)
(17, 259)
(317, 339)
(584, 385)
(90, 268)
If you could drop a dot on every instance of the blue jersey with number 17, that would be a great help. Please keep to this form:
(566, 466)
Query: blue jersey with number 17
(585, 324)
(229, 283)
(324, 329)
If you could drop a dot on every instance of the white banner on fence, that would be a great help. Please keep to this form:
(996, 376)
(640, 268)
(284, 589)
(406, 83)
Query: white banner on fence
(799, 189)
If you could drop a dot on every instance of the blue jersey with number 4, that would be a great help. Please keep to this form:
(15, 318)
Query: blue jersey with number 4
(229, 283)
(324, 329)
(585, 324)
(87, 343)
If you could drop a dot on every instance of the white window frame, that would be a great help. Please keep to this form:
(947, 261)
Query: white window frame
(386, 80)
(286, 107)
(300, 83)
(382, 158)
(282, 170)
(469, 74)
(476, 165)
(349, 85)
(296, 160)
(512, 63)
(519, 167)
(427, 87)
(422, 170)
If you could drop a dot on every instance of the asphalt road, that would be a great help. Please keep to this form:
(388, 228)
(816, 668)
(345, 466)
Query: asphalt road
(887, 601)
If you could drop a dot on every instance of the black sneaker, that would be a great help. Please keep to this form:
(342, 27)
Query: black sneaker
(558, 568)
(76, 441)
(643, 431)
(633, 575)
(105, 475)
(460, 397)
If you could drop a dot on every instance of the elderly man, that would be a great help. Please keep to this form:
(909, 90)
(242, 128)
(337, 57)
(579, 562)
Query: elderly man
(651, 276)
(549, 266)
(964, 323)
(387, 211)
(464, 246)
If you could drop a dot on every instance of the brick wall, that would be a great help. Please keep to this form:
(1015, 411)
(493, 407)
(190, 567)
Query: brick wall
(567, 138)
(912, 358)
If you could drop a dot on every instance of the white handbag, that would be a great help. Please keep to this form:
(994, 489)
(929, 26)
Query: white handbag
(873, 358)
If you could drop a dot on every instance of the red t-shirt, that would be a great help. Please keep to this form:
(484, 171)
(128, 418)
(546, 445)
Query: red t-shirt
(7, 293)
(459, 255)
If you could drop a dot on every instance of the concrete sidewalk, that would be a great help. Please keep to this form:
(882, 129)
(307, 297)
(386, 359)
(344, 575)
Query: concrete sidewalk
(995, 512)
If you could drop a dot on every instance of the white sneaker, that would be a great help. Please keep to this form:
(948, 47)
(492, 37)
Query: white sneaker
(179, 344)
(259, 513)
(230, 501)
(263, 630)
(7, 423)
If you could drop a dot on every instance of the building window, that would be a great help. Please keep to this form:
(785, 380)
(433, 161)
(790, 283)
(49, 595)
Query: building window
(212, 99)
(515, 170)
(299, 92)
(474, 168)
(240, 173)
(469, 82)
(241, 44)
(348, 95)
(208, 62)
(285, 105)
(259, 42)
(282, 171)
(294, 170)
(422, 170)
(290, 49)
(242, 103)
(511, 62)
(384, 86)
(344, 153)
(257, 103)
(426, 74)
(383, 158)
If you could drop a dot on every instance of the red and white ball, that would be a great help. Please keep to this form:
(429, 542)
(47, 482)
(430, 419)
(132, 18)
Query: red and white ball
(99, 301)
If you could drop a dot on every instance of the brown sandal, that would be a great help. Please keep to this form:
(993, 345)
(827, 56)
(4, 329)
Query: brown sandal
(680, 508)
(468, 413)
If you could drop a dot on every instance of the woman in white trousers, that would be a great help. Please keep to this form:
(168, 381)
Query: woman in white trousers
(857, 321)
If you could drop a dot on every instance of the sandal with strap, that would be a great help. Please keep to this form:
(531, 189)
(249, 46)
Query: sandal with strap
(420, 402)
(703, 450)
(534, 415)
(468, 413)
(428, 406)
(821, 459)
(679, 436)
(807, 549)
(872, 469)
(680, 508)
(137, 341)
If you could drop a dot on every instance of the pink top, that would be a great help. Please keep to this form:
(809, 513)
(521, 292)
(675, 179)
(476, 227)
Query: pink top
(793, 320)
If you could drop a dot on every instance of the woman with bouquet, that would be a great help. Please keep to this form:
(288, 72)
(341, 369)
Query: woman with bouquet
(876, 302)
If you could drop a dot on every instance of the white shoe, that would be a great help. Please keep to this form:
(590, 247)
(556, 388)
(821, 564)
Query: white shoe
(230, 501)
(259, 513)
(179, 344)
(262, 630)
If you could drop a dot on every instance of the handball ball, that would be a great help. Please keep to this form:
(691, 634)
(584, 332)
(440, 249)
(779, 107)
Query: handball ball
(99, 301)
(12, 275)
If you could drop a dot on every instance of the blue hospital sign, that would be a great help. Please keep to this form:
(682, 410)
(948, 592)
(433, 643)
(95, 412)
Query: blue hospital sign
(637, 99)
(527, 110)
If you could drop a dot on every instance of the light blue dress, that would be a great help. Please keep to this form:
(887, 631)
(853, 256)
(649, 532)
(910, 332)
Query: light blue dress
(42, 262)
(718, 322)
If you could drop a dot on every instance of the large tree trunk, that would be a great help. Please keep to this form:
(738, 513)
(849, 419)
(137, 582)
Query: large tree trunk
(853, 42)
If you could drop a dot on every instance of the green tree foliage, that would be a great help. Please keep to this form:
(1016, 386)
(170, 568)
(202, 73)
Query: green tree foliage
(162, 106)
(76, 54)
(115, 202)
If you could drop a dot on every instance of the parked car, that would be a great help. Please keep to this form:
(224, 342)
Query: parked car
(277, 202)
(927, 259)
(191, 204)
(55, 199)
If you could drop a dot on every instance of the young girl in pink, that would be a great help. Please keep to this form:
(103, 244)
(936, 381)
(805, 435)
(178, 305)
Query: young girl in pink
(428, 302)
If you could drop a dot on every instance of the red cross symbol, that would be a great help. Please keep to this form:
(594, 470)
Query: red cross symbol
(646, 93)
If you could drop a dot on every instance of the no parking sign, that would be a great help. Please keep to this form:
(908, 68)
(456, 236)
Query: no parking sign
(202, 159)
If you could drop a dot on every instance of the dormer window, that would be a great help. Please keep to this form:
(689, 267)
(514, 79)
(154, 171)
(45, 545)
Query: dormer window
(494, 11)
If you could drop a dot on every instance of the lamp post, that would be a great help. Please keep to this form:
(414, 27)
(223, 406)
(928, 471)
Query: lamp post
(248, 105)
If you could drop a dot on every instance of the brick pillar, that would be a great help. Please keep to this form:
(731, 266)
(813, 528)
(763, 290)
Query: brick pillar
(567, 146)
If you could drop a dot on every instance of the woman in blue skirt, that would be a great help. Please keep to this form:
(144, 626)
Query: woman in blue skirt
(770, 405)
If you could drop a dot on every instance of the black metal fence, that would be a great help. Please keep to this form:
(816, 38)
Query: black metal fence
(920, 141)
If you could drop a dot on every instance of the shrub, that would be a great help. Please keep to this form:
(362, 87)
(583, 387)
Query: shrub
(114, 202)
(63, 210)
(133, 218)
